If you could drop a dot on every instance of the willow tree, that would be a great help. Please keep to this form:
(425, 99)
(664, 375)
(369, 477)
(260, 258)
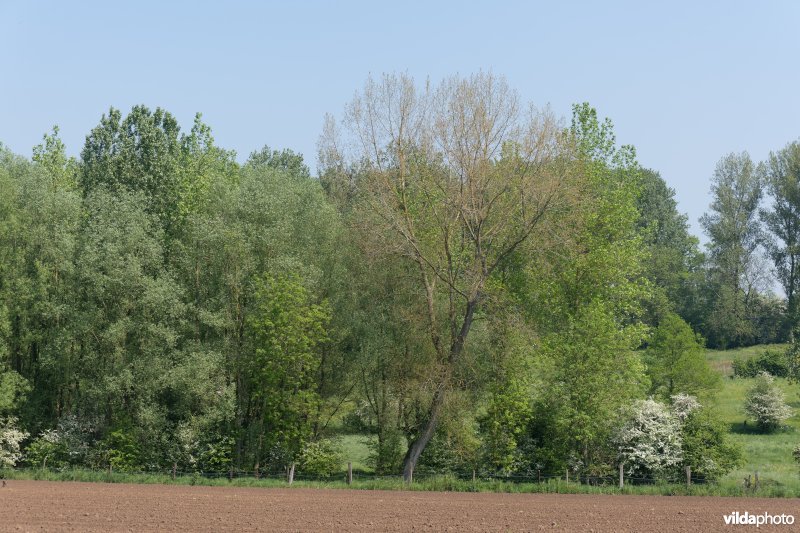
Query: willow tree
(450, 179)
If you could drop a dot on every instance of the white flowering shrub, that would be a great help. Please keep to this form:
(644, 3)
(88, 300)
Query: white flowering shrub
(765, 403)
(10, 439)
(188, 446)
(683, 405)
(649, 442)
(46, 450)
(76, 437)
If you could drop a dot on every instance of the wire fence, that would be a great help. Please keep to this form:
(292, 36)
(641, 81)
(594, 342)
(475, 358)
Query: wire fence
(418, 475)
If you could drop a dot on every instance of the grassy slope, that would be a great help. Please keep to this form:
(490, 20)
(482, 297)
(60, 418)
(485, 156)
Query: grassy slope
(355, 448)
(770, 455)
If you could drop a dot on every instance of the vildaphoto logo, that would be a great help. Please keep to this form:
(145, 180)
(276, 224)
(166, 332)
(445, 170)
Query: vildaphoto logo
(746, 519)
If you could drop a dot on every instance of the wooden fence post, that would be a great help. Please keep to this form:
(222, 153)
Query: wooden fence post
(349, 473)
(567, 475)
(755, 487)
(621, 475)
(174, 470)
(688, 476)
(291, 474)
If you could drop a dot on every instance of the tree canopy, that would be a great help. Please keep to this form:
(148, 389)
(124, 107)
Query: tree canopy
(469, 281)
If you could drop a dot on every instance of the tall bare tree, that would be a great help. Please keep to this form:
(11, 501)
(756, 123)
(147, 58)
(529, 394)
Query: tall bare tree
(452, 178)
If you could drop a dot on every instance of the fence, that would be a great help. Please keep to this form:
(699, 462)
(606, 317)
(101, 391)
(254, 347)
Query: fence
(349, 476)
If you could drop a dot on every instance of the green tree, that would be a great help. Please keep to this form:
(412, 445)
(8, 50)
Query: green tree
(140, 153)
(676, 361)
(38, 225)
(289, 330)
(283, 160)
(674, 265)
(127, 332)
(734, 230)
(265, 222)
(52, 156)
(595, 372)
(583, 293)
(201, 164)
(453, 180)
(509, 404)
(781, 175)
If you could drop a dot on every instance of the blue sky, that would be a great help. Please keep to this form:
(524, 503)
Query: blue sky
(683, 82)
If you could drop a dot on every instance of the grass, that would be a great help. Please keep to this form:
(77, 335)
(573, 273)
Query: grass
(722, 360)
(355, 448)
(441, 483)
(768, 454)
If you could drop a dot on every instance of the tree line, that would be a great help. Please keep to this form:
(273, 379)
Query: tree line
(468, 279)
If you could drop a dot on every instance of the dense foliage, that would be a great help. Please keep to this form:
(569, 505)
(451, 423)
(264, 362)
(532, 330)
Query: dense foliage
(774, 362)
(766, 404)
(471, 282)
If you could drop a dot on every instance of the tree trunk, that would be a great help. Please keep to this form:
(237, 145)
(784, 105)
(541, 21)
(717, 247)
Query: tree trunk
(416, 448)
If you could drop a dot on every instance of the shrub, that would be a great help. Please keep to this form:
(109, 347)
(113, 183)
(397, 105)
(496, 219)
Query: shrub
(77, 437)
(454, 448)
(683, 405)
(69, 444)
(765, 403)
(119, 451)
(706, 446)
(48, 449)
(649, 442)
(359, 420)
(386, 452)
(771, 361)
(321, 458)
(10, 439)
(217, 456)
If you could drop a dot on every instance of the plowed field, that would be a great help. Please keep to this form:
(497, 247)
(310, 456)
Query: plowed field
(56, 506)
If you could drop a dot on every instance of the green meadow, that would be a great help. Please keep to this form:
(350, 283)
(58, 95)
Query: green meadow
(768, 454)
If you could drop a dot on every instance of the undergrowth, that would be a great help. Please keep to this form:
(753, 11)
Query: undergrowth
(441, 483)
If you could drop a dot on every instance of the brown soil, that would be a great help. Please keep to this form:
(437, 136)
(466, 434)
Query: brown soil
(42, 505)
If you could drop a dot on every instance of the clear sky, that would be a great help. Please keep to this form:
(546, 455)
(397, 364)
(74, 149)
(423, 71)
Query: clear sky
(685, 82)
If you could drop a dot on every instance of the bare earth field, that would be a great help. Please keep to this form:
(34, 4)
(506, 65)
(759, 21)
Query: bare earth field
(69, 506)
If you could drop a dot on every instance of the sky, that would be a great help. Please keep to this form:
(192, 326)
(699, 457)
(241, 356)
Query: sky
(684, 82)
